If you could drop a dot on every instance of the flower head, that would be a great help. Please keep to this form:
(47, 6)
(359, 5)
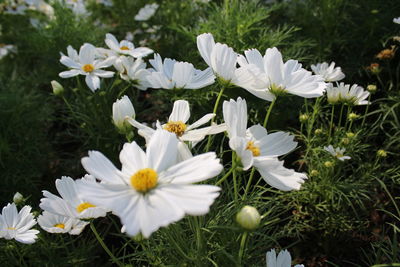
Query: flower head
(133, 70)
(126, 47)
(283, 260)
(387, 53)
(328, 72)
(248, 217)
(58, 224)
(86, 64)
(152, 190)
(176, 74)
(122, 108)
(337, 152)
(146, 12)
(14, 225)
(272, 77)
(396, 20)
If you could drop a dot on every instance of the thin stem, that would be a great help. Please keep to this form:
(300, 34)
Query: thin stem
(349, 109)
(242, 245)
(249, 183)
(268, 113)
(226, 175)
(215, 112)
(235, 189)
(114, 259)
(331, 123)
(366, 111)
(340, 116)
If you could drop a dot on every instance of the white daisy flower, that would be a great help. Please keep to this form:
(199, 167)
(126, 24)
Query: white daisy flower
(134, 70)
(255, 147)
(332, 94)
(328, 72)
(14, 225)
(121, 109)
(337, 152)
(152, 190)
(283, 260)
(71, 203)
(86, 64)
(352, 95)
(396, 20)
(6, 49)
(146, 12)
(272, 77)
(177, 123)
(222, 60)
(176, 74)
(125, 47)
(55, 223)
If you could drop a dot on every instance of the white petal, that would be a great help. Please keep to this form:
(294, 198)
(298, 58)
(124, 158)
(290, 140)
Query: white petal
(162, 150)
(101, 168)
(180, 111)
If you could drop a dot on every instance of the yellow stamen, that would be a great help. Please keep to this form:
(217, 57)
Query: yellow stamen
(144, 180)
(124, 48)
(85, 205)
(177, 127)
(60, 225)
(11, 228)
(254, 149)
(88, 68)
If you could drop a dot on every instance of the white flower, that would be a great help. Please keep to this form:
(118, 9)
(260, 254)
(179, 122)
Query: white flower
(14, 225)
(177, 123)
(5, 50)
(396, 20)
(151, 190)
(125, 47)
(73, 203)
(354, 95)
(176, 74)
(15, 8)
(86, 64)
(255, 147)
(146, 12)
(134, 70)
(121, 109)
(337, 152)
(221, 59)
(78, 7)
(332, 94)
(328, 72)
(283, 260)
(57, 224)
(271, 77)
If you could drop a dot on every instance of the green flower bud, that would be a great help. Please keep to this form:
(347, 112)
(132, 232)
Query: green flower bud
(371, 88)
(353, 116)
(58, 89)
(318, 131)
(248, 217)
(314, 173)
(328, 164)
(303, 118)
(381, 153)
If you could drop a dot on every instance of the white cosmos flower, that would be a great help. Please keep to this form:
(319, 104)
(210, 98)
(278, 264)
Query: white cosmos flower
(283, 260)
(146, 12)
(396, 20)
(55, 223)
(176, 74)
(72, 203)
(6, 49)
(222, 60)
(125, 47)
(272, 77)
(152, 190)
(352, 95)
(332, 94)
(177, 123)
(337, 152)
(134, 70)
(255, 147)
(78, 7)
(121, 109)
(328, 72)
(14, 225)
(86, 64)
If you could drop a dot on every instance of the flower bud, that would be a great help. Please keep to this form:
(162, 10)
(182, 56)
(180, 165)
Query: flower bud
(328, 164)
(58, 89)
(371, 88)
(248, 217)
(345, 140)
(303, 118)
(353, 116)
(122, 108)
(18, 198)
(350, 135)
(381, 153)
(314, 173)
(318, 131)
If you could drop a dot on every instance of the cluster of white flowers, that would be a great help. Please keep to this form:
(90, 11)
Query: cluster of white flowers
(352, 95)
(282, 260)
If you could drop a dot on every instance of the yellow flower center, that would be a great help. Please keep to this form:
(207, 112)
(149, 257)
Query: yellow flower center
(124, 48)
(11, 228)
(177, 127)
(60, 225)
(88, 68)
(254, 149)
(144, 180)
(85, 205)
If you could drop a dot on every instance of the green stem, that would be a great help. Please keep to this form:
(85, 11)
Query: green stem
(249, 183)
(242, 245)
(366, 111)
(349, 109)
(340, 116)
(331, 124)
(226, 175)
(235, 189)
(215, 112)
(268, 113)
(114, 259)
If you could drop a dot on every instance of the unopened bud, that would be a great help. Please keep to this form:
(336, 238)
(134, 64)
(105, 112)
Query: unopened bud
(353, 116)
(381, 153)
(345, 140)
(314, 173)
(18, 198)
(318, 131)
(248, 217)
(350, 135)
(328, 164)
(58, 89)
(371, 88)
(303, 118)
